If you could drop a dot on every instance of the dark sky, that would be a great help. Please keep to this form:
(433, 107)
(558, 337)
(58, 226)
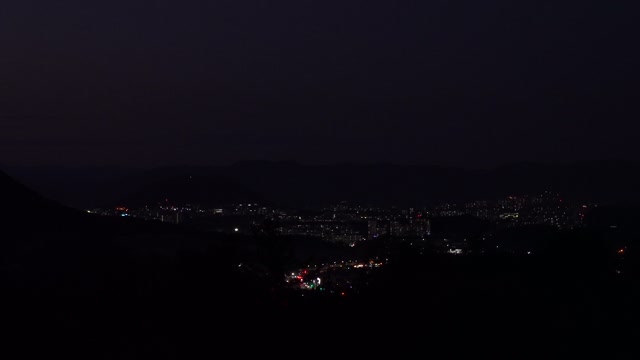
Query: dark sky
(472, 83)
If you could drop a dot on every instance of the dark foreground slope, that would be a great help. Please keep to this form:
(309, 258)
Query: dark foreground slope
(110, 286)
(115, 288)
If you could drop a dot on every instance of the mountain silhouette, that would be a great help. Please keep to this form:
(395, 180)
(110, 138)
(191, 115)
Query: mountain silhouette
(290, 184)
(17, 197)
(21, 207)
(178, 188)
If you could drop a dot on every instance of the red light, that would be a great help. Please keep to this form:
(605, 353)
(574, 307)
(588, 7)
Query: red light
(343, 294)
(621, 251)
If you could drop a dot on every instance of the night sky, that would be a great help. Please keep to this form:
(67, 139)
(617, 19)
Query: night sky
(465, 83)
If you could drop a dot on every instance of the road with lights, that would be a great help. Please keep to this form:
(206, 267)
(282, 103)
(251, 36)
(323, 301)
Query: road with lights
(340, 277)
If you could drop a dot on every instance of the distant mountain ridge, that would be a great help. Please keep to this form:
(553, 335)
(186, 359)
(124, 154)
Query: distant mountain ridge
(184, 189)
(298, 185)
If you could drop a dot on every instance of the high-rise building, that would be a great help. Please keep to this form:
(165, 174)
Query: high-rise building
(372, 229)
